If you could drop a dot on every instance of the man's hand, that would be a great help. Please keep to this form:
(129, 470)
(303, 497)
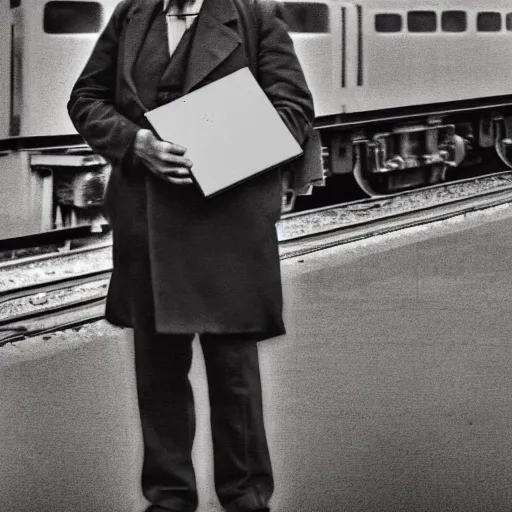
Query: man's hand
(163, 158)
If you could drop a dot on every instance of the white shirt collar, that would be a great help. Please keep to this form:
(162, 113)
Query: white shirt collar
(192, 8)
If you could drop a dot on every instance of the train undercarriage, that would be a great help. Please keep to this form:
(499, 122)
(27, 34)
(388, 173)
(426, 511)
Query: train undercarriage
(50, 185)
(400, 154)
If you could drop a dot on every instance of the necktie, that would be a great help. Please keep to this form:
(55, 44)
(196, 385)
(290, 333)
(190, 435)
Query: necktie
(179, 5)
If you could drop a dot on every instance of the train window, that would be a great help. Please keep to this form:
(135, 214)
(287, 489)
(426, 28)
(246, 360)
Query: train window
(488, 22)
(421, 21)
(453, 21)
(72, 17)
(508, 20)
(388, 23)
(304, 16)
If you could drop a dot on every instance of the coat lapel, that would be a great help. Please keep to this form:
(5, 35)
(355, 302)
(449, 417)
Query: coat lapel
(136, 30)
(213, 41)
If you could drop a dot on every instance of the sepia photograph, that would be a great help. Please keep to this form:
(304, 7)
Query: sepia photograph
(255, 256)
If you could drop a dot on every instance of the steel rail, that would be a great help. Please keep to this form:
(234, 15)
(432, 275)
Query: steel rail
(63, 316)
(29, 260)
(334, 236)
(404, 193)
(50, 310)
(55, 284)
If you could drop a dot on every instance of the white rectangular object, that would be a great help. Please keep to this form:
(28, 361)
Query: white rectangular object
(230, 129)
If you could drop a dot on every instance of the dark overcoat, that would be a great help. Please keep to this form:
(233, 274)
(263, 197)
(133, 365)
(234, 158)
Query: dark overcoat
(198, 265)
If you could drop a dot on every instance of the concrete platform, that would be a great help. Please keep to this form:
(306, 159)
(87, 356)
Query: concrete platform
(391, 392)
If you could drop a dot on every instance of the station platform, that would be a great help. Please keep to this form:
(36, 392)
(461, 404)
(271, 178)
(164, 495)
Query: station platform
(391, 392)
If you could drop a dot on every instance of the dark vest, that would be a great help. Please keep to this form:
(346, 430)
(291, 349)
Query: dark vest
(159, 78)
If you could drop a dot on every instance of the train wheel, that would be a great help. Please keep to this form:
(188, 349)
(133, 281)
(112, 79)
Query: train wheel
(364, 182)
(380, 185)
(504, 151)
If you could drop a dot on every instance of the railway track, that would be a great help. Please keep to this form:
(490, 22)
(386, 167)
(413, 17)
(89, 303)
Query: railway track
(71, 253)
(336, 232)
(48, 314)
(57, 284)
(51, 319)
(300, 233)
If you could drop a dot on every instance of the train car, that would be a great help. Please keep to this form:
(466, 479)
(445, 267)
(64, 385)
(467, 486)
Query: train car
(404, 90)
(49, 177)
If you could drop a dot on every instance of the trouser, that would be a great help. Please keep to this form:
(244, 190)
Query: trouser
(242, 468)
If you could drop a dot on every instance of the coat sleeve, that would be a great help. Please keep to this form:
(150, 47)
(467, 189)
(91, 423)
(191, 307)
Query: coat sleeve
(280, 73)
(92, 103)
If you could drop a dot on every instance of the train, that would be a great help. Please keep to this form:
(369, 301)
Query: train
(404, 91)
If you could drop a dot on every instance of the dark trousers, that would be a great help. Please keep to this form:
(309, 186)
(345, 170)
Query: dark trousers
(243, 473)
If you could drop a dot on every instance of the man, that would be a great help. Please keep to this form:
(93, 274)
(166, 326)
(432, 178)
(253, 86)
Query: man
(183, 264)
